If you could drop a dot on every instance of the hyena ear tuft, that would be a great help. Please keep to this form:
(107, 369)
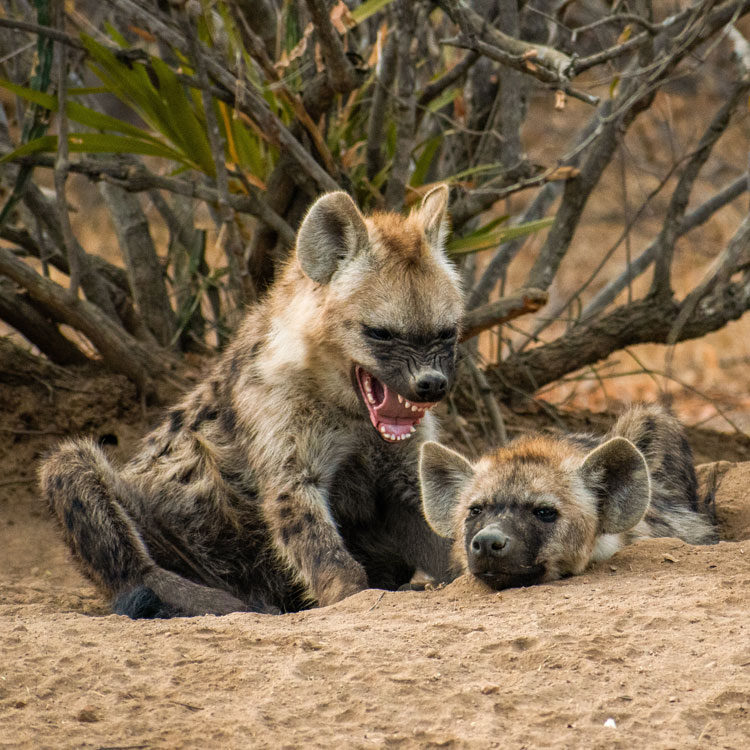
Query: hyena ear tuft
(332, 231)
(617, 473)
(443, 474)
(433, 213)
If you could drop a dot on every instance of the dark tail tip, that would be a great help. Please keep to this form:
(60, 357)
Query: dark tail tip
(141, 603)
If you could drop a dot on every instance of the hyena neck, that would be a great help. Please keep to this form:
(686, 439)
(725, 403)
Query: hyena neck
(295, 345)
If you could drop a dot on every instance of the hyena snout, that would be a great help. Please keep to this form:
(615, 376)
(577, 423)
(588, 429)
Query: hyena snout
(502, 559)
(430, 385)
(490, 543)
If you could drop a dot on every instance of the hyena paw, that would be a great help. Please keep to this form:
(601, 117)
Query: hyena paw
(341, 584)
(190, 599)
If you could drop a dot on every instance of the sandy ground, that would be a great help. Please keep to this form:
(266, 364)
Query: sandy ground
(650, 649)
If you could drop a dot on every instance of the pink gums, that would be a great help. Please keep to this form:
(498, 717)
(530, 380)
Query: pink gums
(394, 417)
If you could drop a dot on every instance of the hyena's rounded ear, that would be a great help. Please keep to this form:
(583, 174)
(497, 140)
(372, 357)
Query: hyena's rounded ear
(332, 231)
(433, 215)
(443, 474)
(617, 473)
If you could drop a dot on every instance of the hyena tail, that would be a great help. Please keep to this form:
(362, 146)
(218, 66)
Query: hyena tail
(90, 500)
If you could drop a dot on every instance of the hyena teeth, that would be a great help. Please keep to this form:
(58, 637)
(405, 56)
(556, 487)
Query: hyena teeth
(370, 397)
(406, 404)
(400, 398)
(382, 429)
(413, 429)
(414, 408)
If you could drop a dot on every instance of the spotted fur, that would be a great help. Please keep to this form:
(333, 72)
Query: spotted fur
(545, 507)
(267, 488)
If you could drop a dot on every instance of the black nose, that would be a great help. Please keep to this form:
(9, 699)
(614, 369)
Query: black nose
(431, 386)
(490, 542)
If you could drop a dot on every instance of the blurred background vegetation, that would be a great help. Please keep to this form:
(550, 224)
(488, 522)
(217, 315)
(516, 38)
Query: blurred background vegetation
(158, 157)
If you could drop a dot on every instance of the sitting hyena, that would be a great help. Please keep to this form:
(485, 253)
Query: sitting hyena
(287, 476)
(545, 507)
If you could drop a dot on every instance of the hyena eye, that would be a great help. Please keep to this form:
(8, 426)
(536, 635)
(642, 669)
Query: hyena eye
(546, 514)
(447, 334)
(475, 510)
(378, 334)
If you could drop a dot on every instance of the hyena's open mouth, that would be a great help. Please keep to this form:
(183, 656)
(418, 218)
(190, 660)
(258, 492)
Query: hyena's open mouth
(393, 416)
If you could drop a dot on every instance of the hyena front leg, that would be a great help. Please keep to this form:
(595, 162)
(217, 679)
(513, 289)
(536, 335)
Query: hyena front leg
(90, 501)
(297, 512)
(306, 537)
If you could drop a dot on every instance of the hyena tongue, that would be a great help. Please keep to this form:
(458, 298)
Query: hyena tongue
(393, 416)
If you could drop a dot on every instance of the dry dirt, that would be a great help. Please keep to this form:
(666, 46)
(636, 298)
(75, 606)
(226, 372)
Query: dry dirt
(650, 649)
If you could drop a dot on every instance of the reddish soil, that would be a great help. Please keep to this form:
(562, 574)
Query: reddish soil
(650, 649)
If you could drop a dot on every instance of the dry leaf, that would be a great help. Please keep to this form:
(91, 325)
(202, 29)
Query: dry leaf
(625, 35)
(296, 52)
(342, 18)
(563, 173)
(560, 99)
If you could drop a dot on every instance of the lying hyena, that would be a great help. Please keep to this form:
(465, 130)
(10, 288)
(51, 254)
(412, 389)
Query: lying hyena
(289, 475)
(545, 507)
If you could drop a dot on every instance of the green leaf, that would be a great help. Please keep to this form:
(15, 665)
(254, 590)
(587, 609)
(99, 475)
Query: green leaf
(445, 98)
(478, 241)
(95, 143)
(181, 120)
(38, 145)
(425, 160)
(78, 113)
(368, 8)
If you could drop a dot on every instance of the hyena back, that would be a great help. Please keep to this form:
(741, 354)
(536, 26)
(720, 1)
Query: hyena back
(545, 507)
(289, 475)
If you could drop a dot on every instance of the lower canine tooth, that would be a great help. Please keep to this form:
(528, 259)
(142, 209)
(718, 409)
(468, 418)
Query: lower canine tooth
(382, 429)
(400, 398)
(413, 430)
(406, 404)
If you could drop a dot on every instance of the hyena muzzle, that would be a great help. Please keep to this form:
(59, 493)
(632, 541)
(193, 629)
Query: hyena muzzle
(545, 507)
(289, 475)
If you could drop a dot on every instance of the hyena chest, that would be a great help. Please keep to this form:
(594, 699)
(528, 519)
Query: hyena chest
(370, 483)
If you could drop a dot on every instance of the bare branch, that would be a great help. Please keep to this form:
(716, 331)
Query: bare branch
(502, 258)
(734, 257)
(501, 311)
(661, 284)
(501, 140)
(136, 179)
(72, 249)
(644, 321)
(406, 104)
(16, 310)
(376, 121)
(433, 89)
(697, 217)
(545, 63)
(239, 278)
(488, 397)
(142, 263)
(120, 351)
(342, 74)
(522, 63)
(35, 28)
